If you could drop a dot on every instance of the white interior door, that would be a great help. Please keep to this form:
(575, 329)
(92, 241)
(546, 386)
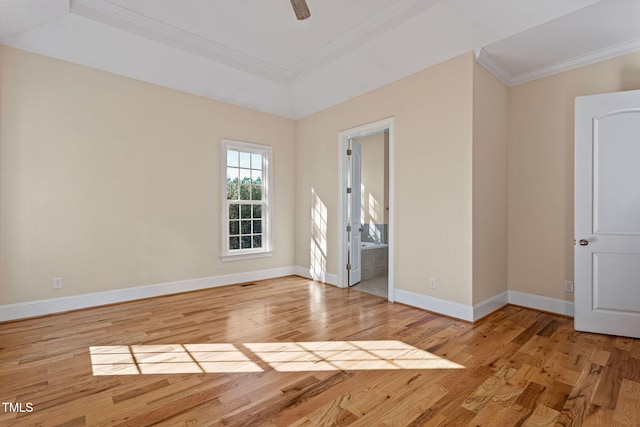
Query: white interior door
(355, 238)
(607, 214)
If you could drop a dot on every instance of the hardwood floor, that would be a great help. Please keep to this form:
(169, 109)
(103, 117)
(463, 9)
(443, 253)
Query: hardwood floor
(295, 352)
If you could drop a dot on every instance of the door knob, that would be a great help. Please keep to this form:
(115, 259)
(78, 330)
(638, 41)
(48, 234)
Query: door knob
(583, 242)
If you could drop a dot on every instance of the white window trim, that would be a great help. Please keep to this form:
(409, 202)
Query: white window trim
(267, 156)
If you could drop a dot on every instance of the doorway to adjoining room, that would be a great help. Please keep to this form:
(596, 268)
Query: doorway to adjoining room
(366, 209)
(374, 213)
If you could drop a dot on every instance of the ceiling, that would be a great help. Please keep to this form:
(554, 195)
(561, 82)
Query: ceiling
(255, 54)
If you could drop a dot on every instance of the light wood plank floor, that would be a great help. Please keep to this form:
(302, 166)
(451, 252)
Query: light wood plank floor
(295, 352)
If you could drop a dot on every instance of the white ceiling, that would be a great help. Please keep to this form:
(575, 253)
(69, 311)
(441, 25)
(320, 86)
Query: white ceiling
(254, 53)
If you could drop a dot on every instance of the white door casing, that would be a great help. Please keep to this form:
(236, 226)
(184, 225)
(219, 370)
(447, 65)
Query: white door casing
(355, 237)
(607, 214)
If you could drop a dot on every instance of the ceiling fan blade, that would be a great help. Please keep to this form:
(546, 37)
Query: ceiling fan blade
(301, 9)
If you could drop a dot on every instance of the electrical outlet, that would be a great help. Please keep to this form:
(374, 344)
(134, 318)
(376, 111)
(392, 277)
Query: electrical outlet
(568, 286)
(220, 264)
(433, 283)
(57, 283)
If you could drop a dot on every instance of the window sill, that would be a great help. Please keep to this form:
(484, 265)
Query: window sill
(243, 256)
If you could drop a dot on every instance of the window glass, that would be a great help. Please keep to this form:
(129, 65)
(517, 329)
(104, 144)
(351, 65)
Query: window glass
(246, 219)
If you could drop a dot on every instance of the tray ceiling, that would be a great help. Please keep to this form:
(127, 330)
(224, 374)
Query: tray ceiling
(254, 53)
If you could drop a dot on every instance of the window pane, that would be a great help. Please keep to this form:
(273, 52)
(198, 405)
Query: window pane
(232, 183)
(256, 192)
(256, 161)
(245, 191)
(234, 243)
(234, 227)
(256, 176)
(257, 211)
(257, 241)
(232, 191)
(245, 242)
(232, 158)
(232, 174)
(246, 211)
(246, 227)
(234, 211)
(245, 175)
(245, 160)
(257, 226)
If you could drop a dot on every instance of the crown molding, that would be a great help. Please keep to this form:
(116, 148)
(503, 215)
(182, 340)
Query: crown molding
(126, 19)
(490, 64)
(496, 68)
(610, 52)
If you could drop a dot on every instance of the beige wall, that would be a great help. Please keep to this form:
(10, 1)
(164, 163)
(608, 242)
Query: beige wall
(540, 177)
(490, 113)
(374, 165)
(433, 189)
(111, 183)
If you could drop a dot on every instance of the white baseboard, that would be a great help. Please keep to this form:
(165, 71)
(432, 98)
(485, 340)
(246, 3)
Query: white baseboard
(478, 311)
(323, 277)
(490, 305)
(437, 305)
(57, 305)
(552, 305)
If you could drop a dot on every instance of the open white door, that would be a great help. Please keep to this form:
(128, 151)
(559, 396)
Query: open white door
(607, 214)
(355, 213)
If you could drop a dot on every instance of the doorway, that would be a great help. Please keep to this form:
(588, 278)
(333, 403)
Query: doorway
(366, 232)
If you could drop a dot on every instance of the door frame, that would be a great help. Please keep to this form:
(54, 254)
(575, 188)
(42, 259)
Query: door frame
(343, 140)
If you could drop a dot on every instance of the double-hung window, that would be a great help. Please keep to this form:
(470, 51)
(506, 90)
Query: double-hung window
(246, 216)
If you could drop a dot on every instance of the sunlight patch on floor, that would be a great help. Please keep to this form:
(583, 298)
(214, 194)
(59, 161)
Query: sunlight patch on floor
(347, 355)
(170, 359)
(281, 356)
